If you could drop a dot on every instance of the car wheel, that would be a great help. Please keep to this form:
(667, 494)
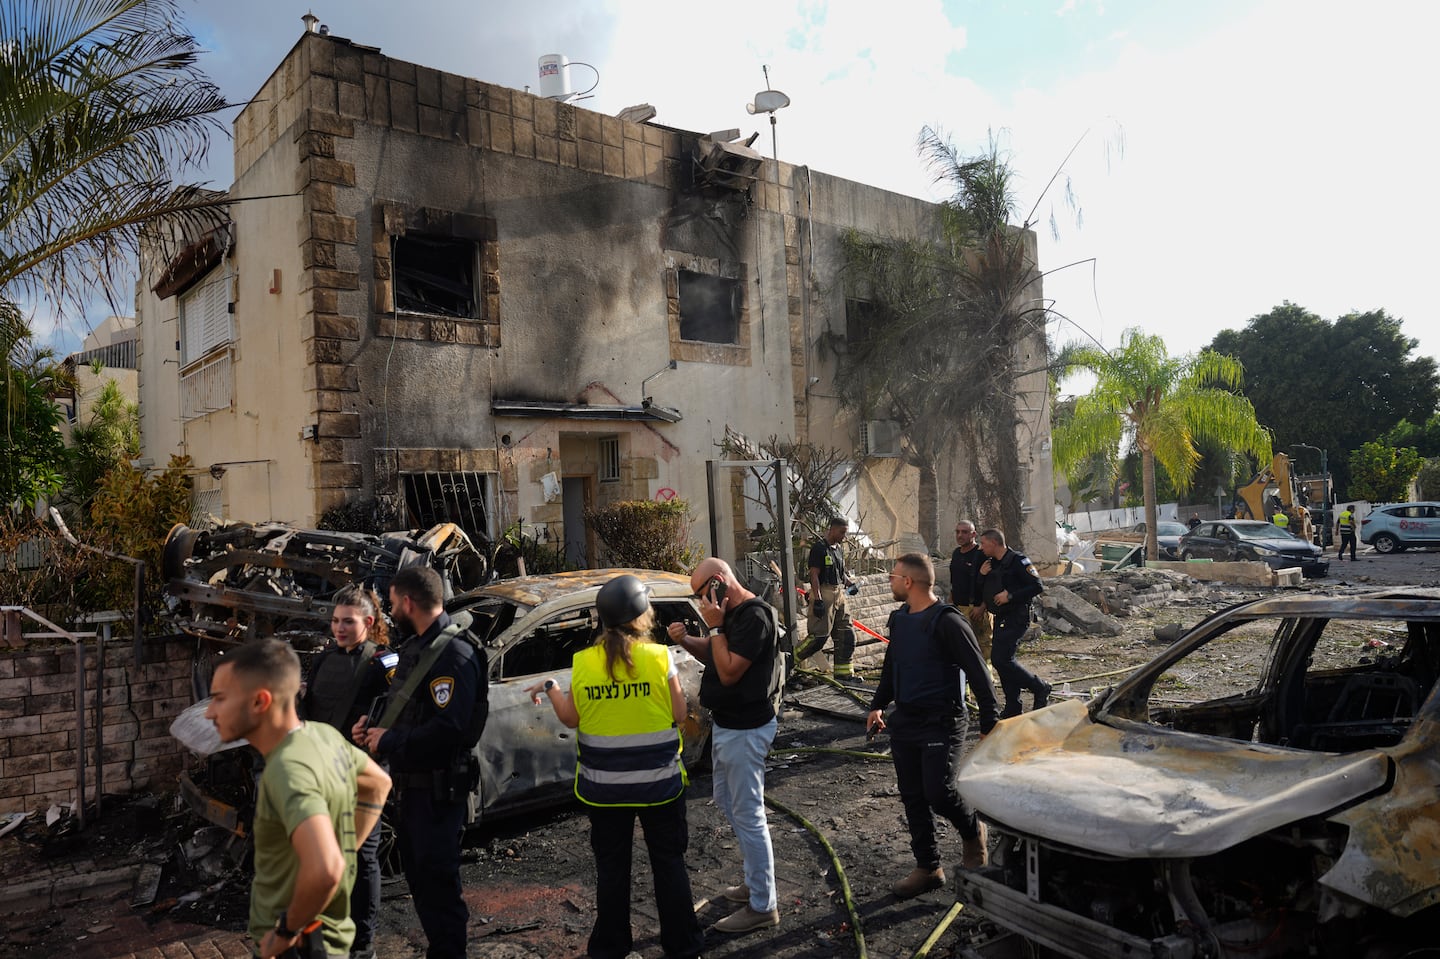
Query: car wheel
(1185, 555)
(1385, 543)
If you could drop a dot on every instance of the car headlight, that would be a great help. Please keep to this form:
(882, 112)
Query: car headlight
(1262, 548)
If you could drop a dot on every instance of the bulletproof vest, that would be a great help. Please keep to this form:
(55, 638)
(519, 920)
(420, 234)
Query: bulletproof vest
(337, 677)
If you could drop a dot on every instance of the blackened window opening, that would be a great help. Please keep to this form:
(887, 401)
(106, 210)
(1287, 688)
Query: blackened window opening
(862, 318)
(458, 497)
(709, 308)
(436, 275)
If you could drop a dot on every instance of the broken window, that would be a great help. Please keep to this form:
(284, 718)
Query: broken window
(709, 308)
(552, 646)
(861, 320)
(435, 274)
(458, 497)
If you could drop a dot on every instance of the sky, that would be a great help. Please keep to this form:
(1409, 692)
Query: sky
(1224, 156)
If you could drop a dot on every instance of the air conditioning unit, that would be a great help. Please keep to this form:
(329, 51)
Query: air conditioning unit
(880, 438)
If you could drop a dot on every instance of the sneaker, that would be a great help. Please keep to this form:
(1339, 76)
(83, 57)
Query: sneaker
(1042, 695)
(975, 853)
(746, 919)
(920, 880)
(740, 893)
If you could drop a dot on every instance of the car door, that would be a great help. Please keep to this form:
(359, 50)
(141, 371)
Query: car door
(527, 754)
(1201, 542)
(1425, 526)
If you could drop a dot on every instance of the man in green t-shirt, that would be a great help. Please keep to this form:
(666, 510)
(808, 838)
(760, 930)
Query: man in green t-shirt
(317, 800)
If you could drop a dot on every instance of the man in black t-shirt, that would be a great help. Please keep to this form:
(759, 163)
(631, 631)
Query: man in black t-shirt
(741, 678)
(966, 584)
(829, 616)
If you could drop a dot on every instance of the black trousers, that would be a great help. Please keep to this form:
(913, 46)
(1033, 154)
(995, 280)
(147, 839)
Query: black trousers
(926, 748)
(1004, 646)
(667, 835)
(1346, 538)
(365, 896)
(429, 839)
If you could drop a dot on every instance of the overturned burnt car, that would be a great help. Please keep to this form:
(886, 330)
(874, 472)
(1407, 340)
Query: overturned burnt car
(241, 582)
(1297, 817)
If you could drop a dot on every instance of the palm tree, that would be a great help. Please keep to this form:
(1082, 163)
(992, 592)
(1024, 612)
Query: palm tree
(1163, 405)
(101, 101)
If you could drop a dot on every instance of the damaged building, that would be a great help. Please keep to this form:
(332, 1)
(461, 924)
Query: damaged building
(482, 306)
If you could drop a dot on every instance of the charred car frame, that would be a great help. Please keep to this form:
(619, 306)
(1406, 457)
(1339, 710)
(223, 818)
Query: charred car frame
(1300, 817)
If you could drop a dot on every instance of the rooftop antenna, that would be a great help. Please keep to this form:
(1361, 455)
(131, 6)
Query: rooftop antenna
(768, 101)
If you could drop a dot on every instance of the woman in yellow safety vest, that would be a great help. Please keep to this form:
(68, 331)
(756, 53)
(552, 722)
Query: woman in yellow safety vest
(626, 700)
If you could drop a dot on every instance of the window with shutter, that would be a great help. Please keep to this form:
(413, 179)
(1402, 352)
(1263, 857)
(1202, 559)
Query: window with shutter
(205, 316)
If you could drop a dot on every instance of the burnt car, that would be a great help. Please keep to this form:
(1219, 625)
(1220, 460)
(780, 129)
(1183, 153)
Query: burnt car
(1241, 540)
(1297, 816)
(245, 581)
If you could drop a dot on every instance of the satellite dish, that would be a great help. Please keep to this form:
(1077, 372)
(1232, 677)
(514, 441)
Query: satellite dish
(768, 101)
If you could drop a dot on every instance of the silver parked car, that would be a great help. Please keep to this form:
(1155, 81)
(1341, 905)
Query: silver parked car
(1392, 529)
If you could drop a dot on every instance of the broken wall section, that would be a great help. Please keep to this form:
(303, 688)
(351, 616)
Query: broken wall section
(37, 711)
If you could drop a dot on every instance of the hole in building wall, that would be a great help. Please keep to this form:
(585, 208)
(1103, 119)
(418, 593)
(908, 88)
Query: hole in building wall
(709, 308)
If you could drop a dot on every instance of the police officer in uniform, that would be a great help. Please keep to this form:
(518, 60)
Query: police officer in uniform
(345, 679)
(430, 749)
(1345, 524)
(1011, 582)
(828, 615)
(626, 700)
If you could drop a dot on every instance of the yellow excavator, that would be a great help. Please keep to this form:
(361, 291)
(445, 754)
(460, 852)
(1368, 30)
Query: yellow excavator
(1273, 490)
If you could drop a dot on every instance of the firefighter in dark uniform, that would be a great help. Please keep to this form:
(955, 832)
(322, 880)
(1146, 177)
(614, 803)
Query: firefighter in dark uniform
(829, 616)
(345, 679)
(1011, 582)
(430, 750)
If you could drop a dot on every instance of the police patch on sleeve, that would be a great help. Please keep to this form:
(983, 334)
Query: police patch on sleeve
(389, 661)
(441, 689)
(1033, 571)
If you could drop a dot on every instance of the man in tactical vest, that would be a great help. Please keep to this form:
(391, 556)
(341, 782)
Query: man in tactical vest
(427, 735)
(1011, 583)
(829, 616)
(931, 654)
(1345, 526)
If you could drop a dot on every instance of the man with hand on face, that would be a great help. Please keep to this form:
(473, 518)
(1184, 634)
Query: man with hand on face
(931, 654)
(742, 676)
(317, 800)
(1011, 583)
(435, 715)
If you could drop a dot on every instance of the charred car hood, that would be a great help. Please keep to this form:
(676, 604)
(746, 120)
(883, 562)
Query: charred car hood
(1136, 791)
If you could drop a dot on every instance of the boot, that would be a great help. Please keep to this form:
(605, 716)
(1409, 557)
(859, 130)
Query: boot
(920, 880)
(1042, 695)
(809, 648)
(975, 853)
(740, 893)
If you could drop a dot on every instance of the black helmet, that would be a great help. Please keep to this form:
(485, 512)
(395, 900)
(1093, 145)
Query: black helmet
(621, 600)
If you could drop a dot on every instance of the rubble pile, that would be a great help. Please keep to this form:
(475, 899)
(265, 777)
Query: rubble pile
(1095, 604)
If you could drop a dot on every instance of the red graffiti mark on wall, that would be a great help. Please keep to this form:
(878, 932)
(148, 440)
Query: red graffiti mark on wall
(665, 494)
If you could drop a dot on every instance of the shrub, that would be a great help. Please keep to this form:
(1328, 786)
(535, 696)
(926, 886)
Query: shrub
(646, 534)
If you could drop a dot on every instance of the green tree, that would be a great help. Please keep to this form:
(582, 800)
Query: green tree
(1162, 405)
(946, 318)
(1425, 437)
(108, 439)
(1428, 479)
(100, 100)
(32, 452)
(1332, 385)
(1382, 474)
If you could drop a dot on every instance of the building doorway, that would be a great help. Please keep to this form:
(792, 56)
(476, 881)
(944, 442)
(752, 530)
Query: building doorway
(577, 494)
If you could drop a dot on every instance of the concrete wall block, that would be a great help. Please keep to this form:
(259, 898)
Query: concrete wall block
(317, 254)
(479, 461)
(477, 129)
(337, 424)
(427, 86)
(522, 105)
(587, 126)
(330, 451)
(418, 460)
(341, 476)
(405, 328)
(40, 743)
(382, 291)
(328, 170)
(27, 764)
(331, 376)
(117, 714)
(334, 279)
(377, 100)
(470, 334)
(654, 165)
(12, 707)
(447, 460)
(57, 782)
(335, 325)
(37, 664)
(349, 64)
(547, 149)
(61, 718)
(12, 789)
(644, 468)
(634, 154)
(543, 112)
(548, 513)
(319, 197)
(175, 705)
(321, 121)
(120, 751)
(156, 769)
(568, 153)
(452, 93)
(613, 161)
(7, 668)
(612, 131)
(402, 70)
(351, 100)
(321, 91)
(433, 122)
(324, 301)
(496, 99)
(19, 686)
(404, 110)
(58, 682)
(154, 729)
(331, 401)
(652, 136)
(502, 133)
(147, 748)
(313, 143)
(333, 227)
(523, 133)
(443, 331)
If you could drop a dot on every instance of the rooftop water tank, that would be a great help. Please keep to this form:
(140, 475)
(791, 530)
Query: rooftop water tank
(555, 77)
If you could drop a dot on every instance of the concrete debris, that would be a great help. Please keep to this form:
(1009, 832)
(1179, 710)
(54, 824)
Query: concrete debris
(1169, 632)
(1060, 602)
